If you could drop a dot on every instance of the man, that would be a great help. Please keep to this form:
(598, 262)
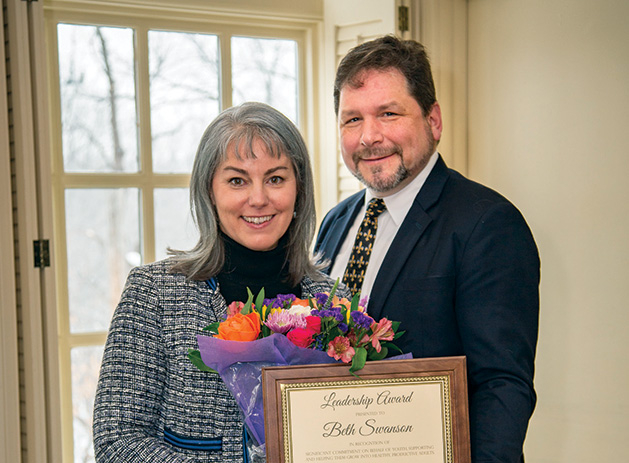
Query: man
(454, 261)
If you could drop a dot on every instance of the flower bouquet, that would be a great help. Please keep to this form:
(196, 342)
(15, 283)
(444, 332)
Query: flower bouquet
(287, 330)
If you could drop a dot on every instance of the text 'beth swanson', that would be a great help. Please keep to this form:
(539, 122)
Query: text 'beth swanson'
(383, 398)
(368, 428)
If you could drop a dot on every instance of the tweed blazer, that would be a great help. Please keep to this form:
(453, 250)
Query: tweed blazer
(152, 404)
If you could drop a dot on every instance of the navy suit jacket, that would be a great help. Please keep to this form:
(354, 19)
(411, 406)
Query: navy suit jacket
(462, 275)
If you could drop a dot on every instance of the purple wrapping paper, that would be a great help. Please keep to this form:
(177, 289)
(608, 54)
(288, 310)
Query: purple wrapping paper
(240, 367)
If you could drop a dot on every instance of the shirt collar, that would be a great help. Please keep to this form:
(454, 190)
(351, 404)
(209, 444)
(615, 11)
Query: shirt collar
(398, 204)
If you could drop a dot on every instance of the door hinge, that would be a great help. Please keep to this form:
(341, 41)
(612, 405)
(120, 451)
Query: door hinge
(41, 253)
(402, 18)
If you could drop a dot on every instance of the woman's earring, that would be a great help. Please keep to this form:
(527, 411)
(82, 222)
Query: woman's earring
(294, 214)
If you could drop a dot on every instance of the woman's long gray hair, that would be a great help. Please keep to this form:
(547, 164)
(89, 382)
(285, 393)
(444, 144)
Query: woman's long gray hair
(237, 128)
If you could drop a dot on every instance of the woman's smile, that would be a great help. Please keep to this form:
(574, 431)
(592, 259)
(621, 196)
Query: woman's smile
(258, 220)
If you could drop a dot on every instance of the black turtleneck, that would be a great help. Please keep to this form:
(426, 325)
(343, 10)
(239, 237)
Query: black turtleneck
(245, 268)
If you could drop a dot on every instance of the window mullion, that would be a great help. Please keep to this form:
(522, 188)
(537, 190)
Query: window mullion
(60, 249)
(142, 79)
(225, 61)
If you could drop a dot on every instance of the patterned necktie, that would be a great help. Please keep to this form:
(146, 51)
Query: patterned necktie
(359, 258)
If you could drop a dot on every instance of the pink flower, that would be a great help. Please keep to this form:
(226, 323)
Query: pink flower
(340, 349)
(382, 331)
(234, 308)
(301, 337)
(280, 321)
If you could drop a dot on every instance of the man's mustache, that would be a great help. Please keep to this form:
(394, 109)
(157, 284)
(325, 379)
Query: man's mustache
(374, 153)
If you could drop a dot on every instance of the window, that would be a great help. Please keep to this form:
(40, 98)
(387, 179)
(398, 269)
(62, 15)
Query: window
(132, 94)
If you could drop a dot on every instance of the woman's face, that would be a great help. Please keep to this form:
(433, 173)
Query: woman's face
(255, 198)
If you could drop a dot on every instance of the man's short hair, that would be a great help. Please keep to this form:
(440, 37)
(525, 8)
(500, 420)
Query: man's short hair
(389, 52)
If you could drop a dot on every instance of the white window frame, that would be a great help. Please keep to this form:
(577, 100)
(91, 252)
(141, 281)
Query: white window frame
(142, 17)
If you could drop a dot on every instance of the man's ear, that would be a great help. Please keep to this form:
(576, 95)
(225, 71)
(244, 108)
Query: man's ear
(434, 121)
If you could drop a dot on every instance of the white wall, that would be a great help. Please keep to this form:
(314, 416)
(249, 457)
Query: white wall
(548, 127)
(346, 23)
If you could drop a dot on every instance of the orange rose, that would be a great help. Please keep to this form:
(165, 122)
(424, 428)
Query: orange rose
(240, 327)
(298, 301)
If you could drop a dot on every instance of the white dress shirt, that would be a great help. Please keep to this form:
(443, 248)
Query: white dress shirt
(389, 223)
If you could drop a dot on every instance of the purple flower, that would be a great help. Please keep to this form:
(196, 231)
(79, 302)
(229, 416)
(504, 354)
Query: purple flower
(334, 312)
(271, 303)
(343, 327)
(321, 299)
(283, 298)
(324, 313)
(361, 320)
(279, 301)
(338, 315)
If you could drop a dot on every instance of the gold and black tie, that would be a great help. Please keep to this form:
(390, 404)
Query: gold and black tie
(358, 260)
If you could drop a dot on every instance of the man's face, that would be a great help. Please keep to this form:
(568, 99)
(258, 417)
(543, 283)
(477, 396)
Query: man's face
(385, 138)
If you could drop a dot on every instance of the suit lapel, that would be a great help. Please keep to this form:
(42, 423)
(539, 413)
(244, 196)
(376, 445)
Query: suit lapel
(415, 224)
(333, 240)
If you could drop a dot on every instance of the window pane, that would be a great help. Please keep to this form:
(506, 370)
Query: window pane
(184, 76)
(103, 243)
(265, 70)
(85, 367)
(174, 227)
(97, 99)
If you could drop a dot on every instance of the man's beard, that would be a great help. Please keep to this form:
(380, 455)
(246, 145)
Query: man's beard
(380, 184)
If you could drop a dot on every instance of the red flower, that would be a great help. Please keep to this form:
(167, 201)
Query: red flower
(313, 323)
(301, 337)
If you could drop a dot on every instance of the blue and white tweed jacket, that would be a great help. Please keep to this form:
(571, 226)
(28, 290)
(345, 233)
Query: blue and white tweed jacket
(152, 404)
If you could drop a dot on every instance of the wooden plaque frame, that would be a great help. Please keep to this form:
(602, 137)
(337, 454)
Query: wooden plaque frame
(285, 427)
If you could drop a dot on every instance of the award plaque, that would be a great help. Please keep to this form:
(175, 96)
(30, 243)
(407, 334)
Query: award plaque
(396, 411)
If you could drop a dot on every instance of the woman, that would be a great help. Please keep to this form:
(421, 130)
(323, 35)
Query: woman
(252, 198)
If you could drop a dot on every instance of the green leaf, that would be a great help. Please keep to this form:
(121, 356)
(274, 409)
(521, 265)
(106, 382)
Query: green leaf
(247, 308)
(359, 360)
(334, 332)
(260, 301)
(395, 326)
(213, 328)
(328, 303)
(397, 335)
(195, 357)
(375, 355)
(355, 301)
